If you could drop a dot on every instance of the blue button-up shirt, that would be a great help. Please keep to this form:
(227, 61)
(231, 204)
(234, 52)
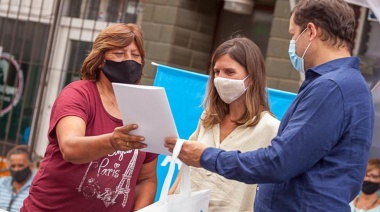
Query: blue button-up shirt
(7, 195)
(318, 160)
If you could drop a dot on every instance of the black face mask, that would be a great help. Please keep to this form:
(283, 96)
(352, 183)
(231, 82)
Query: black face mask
(370, 187)
(20, 176)
(128, 71)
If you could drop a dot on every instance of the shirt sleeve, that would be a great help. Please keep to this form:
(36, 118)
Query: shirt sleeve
(70, 102)
(150, 157)
(311, 132)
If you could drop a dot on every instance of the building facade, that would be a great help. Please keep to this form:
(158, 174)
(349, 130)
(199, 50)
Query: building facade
(49, 40)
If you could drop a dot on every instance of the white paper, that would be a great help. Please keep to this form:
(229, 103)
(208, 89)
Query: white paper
(148, 107)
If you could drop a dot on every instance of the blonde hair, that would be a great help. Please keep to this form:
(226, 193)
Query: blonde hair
(115, 36)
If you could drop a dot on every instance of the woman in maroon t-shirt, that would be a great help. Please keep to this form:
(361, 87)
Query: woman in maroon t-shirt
(92, 163)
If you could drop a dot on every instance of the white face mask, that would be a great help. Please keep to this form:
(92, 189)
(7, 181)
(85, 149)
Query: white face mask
(229, 89)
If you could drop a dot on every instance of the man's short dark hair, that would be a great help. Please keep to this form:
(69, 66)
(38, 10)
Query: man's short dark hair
(335, 17)
(20, 149)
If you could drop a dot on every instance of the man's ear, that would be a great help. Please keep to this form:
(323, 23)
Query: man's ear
(313, 31)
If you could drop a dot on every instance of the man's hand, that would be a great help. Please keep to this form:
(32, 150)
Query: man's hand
(190, 153)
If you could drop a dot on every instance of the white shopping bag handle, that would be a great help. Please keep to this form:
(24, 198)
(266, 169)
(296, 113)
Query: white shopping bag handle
(185, 186)
(169, 176)
(185, 201)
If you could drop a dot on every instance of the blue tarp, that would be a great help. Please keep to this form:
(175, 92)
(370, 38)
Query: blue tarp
(185, 91)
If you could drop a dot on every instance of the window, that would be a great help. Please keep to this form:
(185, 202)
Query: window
(104, 10)
(77, 53)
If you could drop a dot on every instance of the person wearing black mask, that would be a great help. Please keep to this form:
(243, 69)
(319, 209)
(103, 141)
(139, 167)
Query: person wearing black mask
(369, 198)
(92, 159)
(15, 188)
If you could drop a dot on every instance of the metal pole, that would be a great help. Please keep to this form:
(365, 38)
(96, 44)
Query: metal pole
(45, 69)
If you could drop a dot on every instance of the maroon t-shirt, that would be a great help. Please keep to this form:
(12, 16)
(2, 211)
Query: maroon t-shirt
(106, 184)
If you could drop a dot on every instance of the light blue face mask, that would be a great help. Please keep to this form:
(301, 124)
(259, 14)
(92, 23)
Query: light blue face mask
(297, 62)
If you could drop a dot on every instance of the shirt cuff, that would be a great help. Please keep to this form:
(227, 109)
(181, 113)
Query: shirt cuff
(209, 158)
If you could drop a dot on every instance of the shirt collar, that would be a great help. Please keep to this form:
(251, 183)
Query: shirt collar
(334, 65)
(328, 67)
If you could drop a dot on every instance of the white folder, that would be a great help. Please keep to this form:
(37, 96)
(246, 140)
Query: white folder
(148, 107)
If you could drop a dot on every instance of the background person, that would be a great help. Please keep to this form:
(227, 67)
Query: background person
(92, 163)
(318, 159)
(236, 117)
(15, 188)
(369, 199)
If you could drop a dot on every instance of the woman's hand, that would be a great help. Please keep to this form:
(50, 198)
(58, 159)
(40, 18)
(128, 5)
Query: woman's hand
(78, 148)
(121, 139)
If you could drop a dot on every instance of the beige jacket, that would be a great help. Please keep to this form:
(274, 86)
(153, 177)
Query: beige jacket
(229, 195)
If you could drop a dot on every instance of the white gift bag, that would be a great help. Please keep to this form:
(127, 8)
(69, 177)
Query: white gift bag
(185, 201)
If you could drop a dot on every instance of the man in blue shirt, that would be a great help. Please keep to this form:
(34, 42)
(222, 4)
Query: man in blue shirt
(317, 161)
(15, 188)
